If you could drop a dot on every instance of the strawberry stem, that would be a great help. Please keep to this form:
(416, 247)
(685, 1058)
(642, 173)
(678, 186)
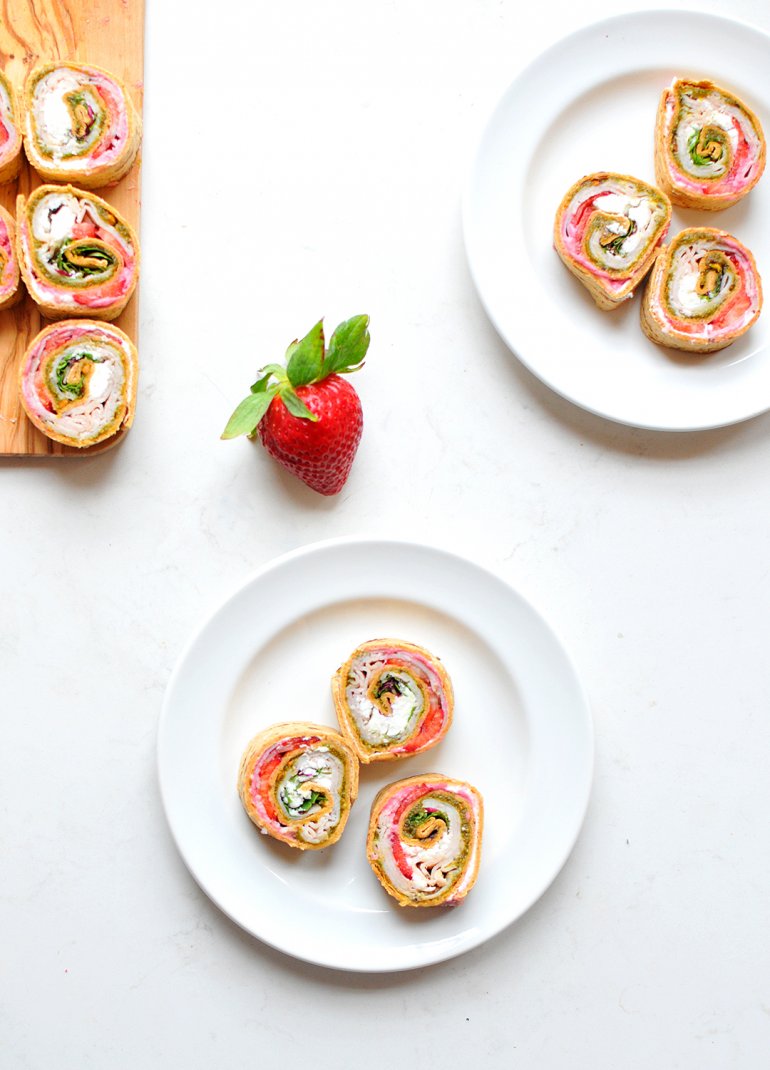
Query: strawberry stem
(308, 361)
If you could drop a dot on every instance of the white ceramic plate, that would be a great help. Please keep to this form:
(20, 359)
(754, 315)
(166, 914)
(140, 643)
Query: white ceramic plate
(521, 734)
(588, 104)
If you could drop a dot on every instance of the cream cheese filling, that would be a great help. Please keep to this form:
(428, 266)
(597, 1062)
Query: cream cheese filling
(316, 769)
(376, 727)
(683, 297)
(629, 214)
(433, 866)
(697, 112)
(5, 102)
(105, 392)
(53, 219)
(640, 211)
(53, 116)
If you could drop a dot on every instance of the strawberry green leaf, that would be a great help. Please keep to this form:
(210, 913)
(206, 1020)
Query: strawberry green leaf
(348, 346)
(247, 415)
(261, 384)
(306, 361)
(296, 405)
(277, 370)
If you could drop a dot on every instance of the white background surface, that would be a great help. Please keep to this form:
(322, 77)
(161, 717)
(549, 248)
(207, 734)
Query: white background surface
(354, 126)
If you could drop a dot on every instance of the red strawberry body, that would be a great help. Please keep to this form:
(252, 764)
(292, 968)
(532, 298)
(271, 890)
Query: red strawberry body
(319, 452)
(307, 417)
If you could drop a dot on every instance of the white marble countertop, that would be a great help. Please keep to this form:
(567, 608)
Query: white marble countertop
(340, 135)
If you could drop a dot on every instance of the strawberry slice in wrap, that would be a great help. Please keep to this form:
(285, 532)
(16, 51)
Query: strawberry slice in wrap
(78, 382)
(80, 125)
(10, 135)
(704, 292)
(424, 841)
(709, 146)
(297, 782)
(608, 231)
(393, 700)
(78, 257)
(10, 291)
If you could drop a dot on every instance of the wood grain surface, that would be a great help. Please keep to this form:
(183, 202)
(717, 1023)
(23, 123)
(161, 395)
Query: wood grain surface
(109, 33)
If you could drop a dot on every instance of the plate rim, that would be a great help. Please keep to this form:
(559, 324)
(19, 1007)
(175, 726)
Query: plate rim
(572, 39)
(581, 706)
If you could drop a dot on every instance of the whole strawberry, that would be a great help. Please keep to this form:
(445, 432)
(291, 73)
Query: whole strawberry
(308, 417)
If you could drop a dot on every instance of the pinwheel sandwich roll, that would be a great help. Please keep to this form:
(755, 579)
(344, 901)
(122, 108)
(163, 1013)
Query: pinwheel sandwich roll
(424, 841)
(608, 231)
(78, 257)
(10, 290)
(10, 134)
(80, 125)
(78, 382)
(393, 699)
(297, 782)
(709, 146)
(704, 292)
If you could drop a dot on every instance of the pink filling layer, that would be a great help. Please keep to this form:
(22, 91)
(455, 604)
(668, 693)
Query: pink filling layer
(100, 296)
(58, 339)
(115, 134)
(10, 277)
(434, 717)
(396, 657)
(734, 315)
(735, 179)
(266, 764)
(573, 229)
(10, 139)
(398, 804)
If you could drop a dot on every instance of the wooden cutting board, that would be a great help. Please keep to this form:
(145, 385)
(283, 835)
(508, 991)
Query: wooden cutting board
(109, 33)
